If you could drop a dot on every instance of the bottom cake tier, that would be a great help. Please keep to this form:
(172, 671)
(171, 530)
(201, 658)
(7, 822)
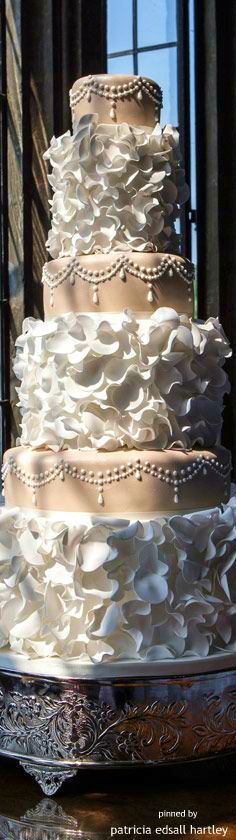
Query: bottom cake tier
(98, 589)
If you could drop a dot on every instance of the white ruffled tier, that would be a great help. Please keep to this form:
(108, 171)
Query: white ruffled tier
(116, 187)
(105, 590)
(112, 381)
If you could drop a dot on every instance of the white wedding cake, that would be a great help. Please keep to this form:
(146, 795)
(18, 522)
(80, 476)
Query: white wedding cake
(118, 537)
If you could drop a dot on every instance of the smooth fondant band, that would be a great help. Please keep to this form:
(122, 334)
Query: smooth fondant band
(113, 481)
(101, 282)
(59, 667)
(136, 100)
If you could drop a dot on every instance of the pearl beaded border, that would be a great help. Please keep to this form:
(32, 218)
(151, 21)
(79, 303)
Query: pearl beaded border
(122, 265)
(100, 480)
(114, 93)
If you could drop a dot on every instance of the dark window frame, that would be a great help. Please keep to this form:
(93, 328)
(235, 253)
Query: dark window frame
(4, 275)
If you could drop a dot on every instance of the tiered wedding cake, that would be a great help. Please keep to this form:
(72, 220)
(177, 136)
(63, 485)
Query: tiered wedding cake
(118, 538)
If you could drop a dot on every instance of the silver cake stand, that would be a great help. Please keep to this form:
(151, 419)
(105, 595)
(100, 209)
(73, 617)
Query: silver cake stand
(57, 723)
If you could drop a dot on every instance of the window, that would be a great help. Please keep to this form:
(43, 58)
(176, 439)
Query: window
(155, 38)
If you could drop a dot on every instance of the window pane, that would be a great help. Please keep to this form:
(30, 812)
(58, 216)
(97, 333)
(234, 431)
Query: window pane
(119, 25)
(156, 22)
(161, 66)
(122, 64)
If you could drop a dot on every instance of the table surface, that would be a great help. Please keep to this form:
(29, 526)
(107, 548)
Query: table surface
(96, 801)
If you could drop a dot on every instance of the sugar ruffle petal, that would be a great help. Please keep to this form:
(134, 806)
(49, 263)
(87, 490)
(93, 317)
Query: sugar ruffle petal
(149, 384)
(107, 590)
(114, 187)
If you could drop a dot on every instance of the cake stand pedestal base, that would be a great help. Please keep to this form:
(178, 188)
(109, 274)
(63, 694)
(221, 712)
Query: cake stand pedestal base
(55, 725)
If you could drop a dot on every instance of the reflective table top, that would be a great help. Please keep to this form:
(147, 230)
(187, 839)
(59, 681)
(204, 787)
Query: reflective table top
(100, 805)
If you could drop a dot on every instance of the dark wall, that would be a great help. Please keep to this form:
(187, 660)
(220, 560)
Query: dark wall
(60, 41)
(216, 177)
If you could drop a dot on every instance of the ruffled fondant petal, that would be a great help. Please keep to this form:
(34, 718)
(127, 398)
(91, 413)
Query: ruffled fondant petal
(115, 187)
(91, 382)
(103, 589)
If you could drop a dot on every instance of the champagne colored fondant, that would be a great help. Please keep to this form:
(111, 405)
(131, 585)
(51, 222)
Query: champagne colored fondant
(136, 100)
(111, 282)
(110, 482)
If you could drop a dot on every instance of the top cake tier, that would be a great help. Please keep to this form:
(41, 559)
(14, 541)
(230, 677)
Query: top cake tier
(132, 99)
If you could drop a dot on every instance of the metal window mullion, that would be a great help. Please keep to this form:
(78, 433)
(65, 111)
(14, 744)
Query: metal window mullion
(149, 48)
(135, 36)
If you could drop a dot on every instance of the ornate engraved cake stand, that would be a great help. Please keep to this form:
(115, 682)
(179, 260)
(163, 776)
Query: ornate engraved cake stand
(57, 724)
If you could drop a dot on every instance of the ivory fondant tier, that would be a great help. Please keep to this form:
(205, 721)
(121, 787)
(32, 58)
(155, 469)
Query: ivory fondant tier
(136, 100)
(113, 381)
(114, 482)
(105, 590)
(116, 281)
(116, 187)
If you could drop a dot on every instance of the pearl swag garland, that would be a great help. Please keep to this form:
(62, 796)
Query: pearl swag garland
(176, 478)
(114, 93)
(122, 265)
